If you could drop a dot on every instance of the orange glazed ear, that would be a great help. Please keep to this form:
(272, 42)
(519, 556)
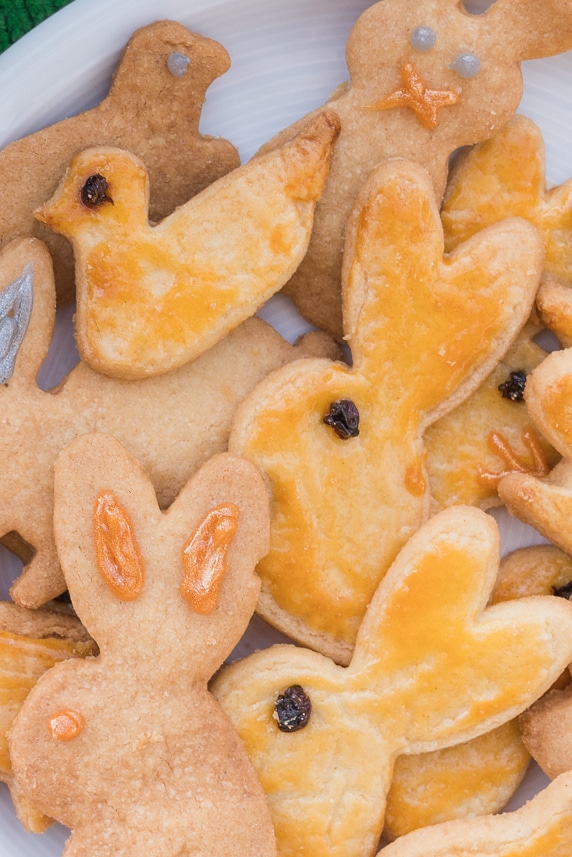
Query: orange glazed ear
(204, 557)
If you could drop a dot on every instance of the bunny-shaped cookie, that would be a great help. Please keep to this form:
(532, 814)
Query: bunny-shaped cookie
(129, 749)
(153, 109)
(433, 665)
(426, 77)
(342, 447)
(172, 424)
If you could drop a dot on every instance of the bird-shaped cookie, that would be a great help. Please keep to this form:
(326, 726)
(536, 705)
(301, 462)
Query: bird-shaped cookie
(153, 109)
(432, 666)
(153, 297)
(342, 447)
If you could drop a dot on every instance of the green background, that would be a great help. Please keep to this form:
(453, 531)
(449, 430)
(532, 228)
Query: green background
(19, 16)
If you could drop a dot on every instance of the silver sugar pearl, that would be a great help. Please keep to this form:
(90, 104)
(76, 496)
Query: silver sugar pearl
(177, 63)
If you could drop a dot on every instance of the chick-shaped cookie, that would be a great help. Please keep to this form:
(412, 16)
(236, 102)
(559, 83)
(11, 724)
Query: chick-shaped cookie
(172, 423)
(153, 297)
(433, 665)
(425, 78)
(129, 749)
(540, 828)
(153, 109)
(342, 447)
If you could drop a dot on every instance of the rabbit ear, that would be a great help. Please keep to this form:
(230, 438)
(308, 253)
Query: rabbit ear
(456, 315)
(27, 310)
(136, 573)
(529, 29)
(468, 668)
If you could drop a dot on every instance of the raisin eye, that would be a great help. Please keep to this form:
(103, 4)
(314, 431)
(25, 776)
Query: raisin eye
(292, 709)
(94, 191)
(564, 591)
(343, 417)
(513, 389)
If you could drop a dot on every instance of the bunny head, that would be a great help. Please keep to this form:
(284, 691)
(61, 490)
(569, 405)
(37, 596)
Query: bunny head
(166, 596)
(425, 79)
(450, 77)
(424, 329)
(433, 665)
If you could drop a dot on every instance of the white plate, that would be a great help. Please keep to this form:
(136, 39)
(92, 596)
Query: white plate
(287, 57)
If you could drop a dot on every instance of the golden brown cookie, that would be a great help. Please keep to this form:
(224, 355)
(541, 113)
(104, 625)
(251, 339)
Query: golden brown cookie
(506, 177)
(151, 298)
(31, 642)
(546, 502)
(425, 79)
(153, 109)
(432, 666)
(342, 447)
(474, 778)
(542, 827)
(129, 749)
(471, 448)
(173, 423)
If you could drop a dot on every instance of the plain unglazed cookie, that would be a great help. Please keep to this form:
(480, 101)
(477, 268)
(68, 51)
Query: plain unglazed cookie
(173, 423)
(153, 109)
(432, 666)
(129, 749)
(152, 297)
(342, 447)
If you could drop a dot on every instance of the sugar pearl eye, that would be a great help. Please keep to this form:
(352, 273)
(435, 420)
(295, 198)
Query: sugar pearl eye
(466, 65)
(177, 63)
(423, 38)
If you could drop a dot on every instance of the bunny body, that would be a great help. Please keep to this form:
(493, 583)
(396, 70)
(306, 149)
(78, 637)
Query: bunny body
(156, 766)
(377, 126)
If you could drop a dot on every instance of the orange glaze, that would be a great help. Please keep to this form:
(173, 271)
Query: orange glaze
(117, 554)
(204, 557)
(66, 725)
(424, 101)
(342, 509)
(555, 404)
